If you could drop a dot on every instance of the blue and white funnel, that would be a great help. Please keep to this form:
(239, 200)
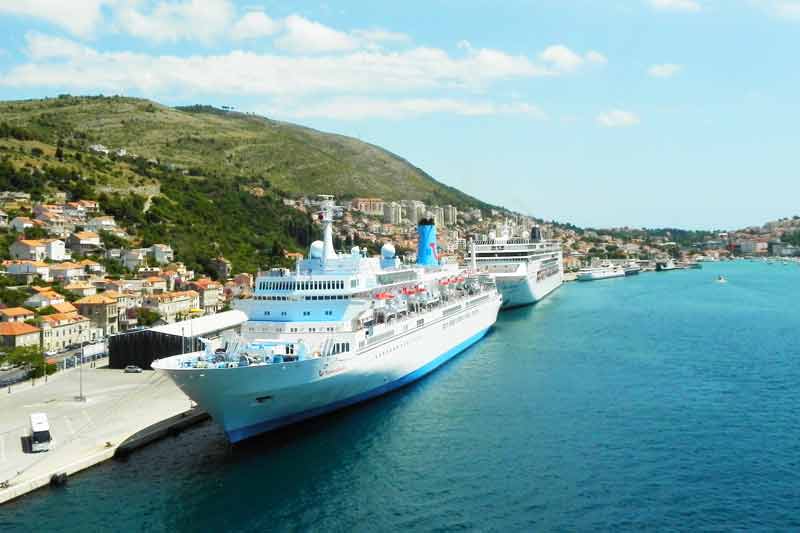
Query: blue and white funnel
(427, 253)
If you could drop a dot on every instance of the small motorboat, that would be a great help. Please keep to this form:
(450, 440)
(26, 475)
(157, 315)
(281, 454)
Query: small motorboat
(721, 279)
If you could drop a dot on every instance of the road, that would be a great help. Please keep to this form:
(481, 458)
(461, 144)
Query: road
(117, 405)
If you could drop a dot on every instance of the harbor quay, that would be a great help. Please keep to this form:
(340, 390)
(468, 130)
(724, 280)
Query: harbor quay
(116, 408)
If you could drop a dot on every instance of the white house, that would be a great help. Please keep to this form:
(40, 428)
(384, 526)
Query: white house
(99, 149)
(132, 259)
(23, 267)
(61, 330)
(44, 299)
(20, 224)
(82, 242)
(103, 223)
(38, 250)
(162, 253)
(67, 271)
(172, 305)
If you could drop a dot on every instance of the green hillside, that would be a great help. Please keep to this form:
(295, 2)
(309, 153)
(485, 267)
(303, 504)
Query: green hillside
(254, 149)
(206, 181)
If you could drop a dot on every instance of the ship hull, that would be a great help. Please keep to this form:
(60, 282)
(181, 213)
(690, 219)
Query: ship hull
(595, 276)
(252, 400)
(523, 289)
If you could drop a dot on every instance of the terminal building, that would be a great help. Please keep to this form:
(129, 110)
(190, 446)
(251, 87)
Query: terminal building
(142, 347)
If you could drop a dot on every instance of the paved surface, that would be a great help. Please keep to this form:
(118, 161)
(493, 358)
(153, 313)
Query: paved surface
(84, 433)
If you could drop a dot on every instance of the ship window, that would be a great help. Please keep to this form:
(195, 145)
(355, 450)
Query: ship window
(283, 313)
(306, 313)
(266, 313)
(353, 283)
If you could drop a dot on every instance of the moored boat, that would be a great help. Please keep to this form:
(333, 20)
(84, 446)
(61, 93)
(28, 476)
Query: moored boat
(601, 272)
(525, 270)
(339, 329)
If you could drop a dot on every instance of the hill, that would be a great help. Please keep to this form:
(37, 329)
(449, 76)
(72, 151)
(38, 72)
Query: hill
(252, 149)
(206, 181)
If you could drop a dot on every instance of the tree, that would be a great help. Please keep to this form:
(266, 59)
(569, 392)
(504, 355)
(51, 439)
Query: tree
(31, 356)
(35, 233)
(13, 297)
(111, 240)
(147, 317)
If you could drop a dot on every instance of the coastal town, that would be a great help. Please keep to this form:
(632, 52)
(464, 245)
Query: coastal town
(69, 279)
(376, 220)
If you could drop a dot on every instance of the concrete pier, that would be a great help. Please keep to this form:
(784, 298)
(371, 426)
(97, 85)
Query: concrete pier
(118, 408)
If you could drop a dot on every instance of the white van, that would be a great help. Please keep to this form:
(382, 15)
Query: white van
(40, 432)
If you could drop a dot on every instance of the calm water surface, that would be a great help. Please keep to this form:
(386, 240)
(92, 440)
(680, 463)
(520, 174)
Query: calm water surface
(665, 401)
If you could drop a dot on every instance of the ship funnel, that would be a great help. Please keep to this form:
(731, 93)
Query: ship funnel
(536, 234)
(427, 253)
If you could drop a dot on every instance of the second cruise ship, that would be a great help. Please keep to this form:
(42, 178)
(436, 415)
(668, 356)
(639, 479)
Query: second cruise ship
(524, 269)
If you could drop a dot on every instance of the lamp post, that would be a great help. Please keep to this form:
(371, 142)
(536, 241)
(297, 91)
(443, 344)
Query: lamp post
(81, 397)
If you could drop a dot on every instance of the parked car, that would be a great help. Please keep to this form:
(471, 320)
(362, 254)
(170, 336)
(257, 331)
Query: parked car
(132, 369)
(51, 353)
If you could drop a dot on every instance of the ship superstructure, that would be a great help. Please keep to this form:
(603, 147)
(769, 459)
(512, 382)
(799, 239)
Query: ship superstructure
(525, 269)
(337, 329)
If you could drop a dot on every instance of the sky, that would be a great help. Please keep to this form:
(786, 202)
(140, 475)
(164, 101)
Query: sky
(657, 113)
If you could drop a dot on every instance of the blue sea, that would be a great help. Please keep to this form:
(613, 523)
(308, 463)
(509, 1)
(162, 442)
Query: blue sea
(665, 401)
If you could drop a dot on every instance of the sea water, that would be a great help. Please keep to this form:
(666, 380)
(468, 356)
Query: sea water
(661, 401)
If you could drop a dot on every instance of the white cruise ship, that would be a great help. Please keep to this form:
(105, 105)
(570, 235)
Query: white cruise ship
(525, 270)
(601, 272)
(337, 330)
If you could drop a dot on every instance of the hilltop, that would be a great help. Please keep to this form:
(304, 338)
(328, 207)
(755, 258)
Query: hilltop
(208, 181)
(218, 143)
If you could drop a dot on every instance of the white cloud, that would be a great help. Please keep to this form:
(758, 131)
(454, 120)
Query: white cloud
(61, 63)
(350, 108)
(617, 118)
(785, 9)
(308, 37)
(789, 10)
(254, 25)
(690, 6)
(596, 57)
(79, 17)
(562, 59)
(43, 47)
(202, 20)
(666, 70)
(379, 35)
